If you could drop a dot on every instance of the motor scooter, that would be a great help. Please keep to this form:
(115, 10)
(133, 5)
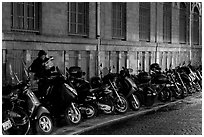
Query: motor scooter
(90, 99)
(38, 114)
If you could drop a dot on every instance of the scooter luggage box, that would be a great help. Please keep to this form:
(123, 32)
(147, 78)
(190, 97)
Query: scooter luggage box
(75, 71)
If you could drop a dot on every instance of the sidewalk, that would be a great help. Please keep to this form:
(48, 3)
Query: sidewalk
(102, 120)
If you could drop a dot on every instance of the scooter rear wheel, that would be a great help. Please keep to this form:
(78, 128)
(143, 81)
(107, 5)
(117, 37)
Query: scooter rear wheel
(44, 125)
(73, 115)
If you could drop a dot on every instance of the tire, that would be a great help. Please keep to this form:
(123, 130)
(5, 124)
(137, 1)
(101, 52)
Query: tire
(91, 111)
(161, 96)
(44, 125)
(178, 92)
(72, 116)
(165, 95)
(190, 89)
(134, 102)
(108, 101)
(197, 87)
(121, 106)
(21, 126)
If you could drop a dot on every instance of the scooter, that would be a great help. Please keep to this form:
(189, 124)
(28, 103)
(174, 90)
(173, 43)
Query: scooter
(38, 114)
(128, 88)
(15, 120)
(86, 99)
(145, 92)
(160, 83)
(61, 98)
(120, 102)
(91, 99)
(175, 86)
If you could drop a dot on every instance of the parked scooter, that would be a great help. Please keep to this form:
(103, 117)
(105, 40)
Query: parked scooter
(38, 115)
(146, 94)
(15, 120)
(186, 78)
(195, 78)
(176, 87)
(120, 102)
(59, 96)
(99, 96)
(128, 88)
(87, 100)
(160, 83)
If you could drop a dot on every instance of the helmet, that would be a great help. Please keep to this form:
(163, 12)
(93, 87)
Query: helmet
(155, 66)
(41, 52)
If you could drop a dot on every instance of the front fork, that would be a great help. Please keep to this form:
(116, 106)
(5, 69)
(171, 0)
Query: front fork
(114, 88)
(174, 82)
(74, 108)
(182, 81)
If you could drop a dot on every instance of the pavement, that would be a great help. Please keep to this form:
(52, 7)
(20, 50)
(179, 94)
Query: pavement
(103, 120)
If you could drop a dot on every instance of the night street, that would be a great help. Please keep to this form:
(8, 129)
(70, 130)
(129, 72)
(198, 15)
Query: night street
(183, 118)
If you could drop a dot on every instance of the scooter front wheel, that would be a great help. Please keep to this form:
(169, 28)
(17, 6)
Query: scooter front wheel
(44, 124)
(73, 115)
(121, 104)
(134, 102)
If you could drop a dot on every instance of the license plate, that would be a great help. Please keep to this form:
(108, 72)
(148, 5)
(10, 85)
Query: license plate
(7, 125)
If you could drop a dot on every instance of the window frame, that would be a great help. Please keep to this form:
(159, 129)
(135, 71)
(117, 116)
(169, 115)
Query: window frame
(183, 14)
(20, 22)
(167, 18)
(144, 21)
(195, 26)
(119, 24)
(76, 23)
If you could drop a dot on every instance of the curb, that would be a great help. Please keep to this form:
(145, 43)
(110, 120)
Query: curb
(86, 126)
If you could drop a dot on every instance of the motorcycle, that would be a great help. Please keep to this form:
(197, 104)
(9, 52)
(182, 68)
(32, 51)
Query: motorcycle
(15, 120)
(176, 87)
(128, 88)
(186, 78)
(195, 78)
(91, 99)
(58, 95)
(120, 102)
(37, 113)
(146, 94)
(86, 100)
(160, 83)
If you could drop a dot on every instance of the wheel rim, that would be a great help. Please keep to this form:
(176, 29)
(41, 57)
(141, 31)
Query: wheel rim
(121, 105)
(90, 111)
(108, 102)
(45, 124)
(135, 102)
(74, 117)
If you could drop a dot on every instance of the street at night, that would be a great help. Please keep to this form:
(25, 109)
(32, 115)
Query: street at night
(184, 118)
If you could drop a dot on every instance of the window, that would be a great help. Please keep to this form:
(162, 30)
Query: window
(78, 18)
(182, 23)
(196, 26)
(167, 22)
(119, 20)
(144, 21)
(25, 16)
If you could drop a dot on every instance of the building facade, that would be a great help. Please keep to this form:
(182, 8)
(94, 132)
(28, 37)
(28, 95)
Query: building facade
(101, 35)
